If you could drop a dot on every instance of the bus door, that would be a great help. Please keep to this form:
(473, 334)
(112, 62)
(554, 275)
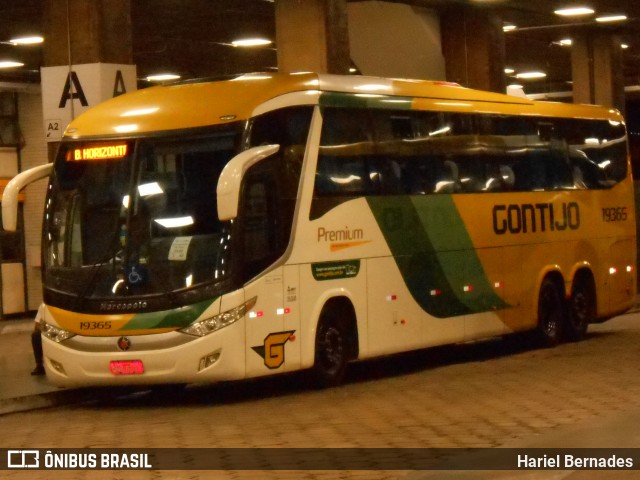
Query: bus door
(265, 324)
(272, 325)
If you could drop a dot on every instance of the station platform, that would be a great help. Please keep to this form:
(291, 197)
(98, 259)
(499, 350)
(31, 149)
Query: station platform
(19, 390)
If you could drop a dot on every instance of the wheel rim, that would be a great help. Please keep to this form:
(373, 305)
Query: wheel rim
(332, 349)
(551, 321)
(580, 310)
(551, 324)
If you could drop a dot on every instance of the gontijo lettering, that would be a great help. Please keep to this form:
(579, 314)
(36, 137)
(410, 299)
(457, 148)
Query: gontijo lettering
(535, 217)
(104, 152)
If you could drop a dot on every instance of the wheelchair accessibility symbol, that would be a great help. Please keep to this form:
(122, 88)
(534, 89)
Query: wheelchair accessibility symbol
(136, 275)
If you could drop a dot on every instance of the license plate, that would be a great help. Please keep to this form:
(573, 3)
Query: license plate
(126, 367)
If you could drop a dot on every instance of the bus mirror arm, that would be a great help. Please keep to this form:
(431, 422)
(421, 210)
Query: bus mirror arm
(11, 191)
(228, 190)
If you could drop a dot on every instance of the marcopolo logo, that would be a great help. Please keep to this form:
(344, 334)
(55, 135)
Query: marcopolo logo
(124, 306)
(23, 459)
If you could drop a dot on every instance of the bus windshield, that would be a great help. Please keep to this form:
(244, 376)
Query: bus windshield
(137, 217)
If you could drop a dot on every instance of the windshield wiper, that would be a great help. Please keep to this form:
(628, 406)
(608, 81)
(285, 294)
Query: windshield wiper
(108, 258)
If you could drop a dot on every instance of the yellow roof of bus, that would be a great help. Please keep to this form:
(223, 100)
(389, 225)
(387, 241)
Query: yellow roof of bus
(197, 104)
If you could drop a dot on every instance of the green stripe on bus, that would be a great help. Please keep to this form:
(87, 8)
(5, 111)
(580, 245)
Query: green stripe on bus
(350, 100)
(178, 318)
(435, 254)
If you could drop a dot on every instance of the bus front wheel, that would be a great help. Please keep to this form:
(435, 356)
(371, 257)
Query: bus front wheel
(332, 350)
(551, 312)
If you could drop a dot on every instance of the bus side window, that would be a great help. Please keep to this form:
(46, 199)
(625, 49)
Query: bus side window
(258, 224)
(597, 150)
(449, 178)
(270, 187)
(346, 161)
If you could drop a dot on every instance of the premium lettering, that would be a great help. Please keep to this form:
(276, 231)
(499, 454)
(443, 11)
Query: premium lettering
(535, 217)
(340, 235)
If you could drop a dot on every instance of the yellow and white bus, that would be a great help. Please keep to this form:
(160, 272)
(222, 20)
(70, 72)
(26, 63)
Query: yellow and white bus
(208, 231)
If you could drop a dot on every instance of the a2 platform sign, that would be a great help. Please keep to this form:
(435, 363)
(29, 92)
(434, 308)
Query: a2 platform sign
(69, 91)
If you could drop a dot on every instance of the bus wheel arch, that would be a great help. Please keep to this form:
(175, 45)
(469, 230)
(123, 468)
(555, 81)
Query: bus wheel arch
(336, 341)
(581, 305)
(552, 309)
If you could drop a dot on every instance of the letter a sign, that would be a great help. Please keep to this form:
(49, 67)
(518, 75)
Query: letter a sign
(68, 91)
(73, 89)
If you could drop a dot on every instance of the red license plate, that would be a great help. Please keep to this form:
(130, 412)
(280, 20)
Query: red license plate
(126, 367)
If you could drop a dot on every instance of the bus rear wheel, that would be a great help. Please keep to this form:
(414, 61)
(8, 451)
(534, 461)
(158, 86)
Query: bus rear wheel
(332, 350)
(551, 313)
(582, 309)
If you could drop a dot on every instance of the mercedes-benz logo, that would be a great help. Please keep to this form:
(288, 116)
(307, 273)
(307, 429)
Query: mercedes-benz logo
(124, 344)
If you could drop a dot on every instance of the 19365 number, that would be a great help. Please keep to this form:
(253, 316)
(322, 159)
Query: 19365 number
(614, 214)
(95, 325)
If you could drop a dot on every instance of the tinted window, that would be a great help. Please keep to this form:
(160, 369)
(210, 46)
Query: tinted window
(270, 187)
(384, 152)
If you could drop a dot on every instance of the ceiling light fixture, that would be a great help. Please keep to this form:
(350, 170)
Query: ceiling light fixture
(33, 40)
(574, 11)
(251, 42)
(508, 27)
(509, 71)
(10, 64)
(531, 75)
(566, 42)
(611, 18)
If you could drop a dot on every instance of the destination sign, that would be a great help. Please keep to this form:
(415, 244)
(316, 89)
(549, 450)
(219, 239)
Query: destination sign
(102, 152)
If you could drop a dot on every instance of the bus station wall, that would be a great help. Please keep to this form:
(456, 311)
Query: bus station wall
(33, 153)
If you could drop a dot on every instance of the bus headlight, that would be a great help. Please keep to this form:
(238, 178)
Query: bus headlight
(211, 324)
(55, 333)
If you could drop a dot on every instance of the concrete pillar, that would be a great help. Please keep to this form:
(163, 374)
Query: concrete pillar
(79, 32)
(87, 31)
(389, 39)
(312, 35)
(473, 48)
(596, 64)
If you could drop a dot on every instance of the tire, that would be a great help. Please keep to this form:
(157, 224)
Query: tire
(551, 313)
(332, 350)
(581, 309)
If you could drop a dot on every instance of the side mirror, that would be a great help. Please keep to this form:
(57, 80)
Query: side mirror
(11, 191)
(228, 190)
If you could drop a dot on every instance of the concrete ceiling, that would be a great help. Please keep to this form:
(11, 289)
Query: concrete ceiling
(191, 36)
